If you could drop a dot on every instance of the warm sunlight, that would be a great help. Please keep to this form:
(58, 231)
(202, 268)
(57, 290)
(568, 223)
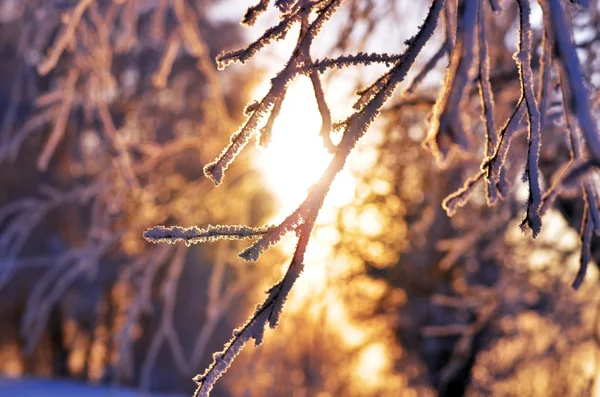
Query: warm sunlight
(295, 157)
(372, 364)
(292, 162)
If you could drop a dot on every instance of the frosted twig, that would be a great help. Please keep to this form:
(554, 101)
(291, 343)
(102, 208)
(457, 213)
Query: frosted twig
(267, 312)
(16, 93)
(447, 125)
(487, 101)
(254, 12)
(591, 196)
(579, 171)
(450, 22)
(123, 159)
(194, 235)
(523, 58)
(577, 155)
(579, 100)
(54, 283)
(157, 25)
(267, 131)
(354, 130)
(495, 164)
(460, 197)
(324, 111)
(215, 170)
(428, 67)
(552, 192)
(64, 38)
(10, 150)
(545, 90)
(344, 61)
(218, 303)
(148, 265)
(274, 33)
(285, 6)
(366, 94)
(561, 176)
(60, 123)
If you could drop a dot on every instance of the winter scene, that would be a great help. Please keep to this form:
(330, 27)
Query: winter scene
(299, 198)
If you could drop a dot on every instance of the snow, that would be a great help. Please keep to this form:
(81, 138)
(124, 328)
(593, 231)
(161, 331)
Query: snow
(36, 387)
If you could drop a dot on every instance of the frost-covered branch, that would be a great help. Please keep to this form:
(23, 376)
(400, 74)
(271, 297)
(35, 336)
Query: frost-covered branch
(194, 235)
(579, 99)
(266, 313)
(461, 196)
(428, 67)
(345, 61)
(447, 125)
(487, 100)
(523, 57)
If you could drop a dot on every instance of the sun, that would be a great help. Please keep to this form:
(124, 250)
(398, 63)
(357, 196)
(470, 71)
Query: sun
(295, 157)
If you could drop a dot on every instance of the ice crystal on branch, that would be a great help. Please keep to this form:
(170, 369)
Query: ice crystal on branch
(194, 235)
(532, 173)
(266, 314)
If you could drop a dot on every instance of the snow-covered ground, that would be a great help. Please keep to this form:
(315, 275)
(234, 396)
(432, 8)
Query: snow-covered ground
(26, 387)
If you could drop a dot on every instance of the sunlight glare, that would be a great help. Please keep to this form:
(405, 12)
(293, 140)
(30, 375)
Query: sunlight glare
(291, 163)
(295, 158)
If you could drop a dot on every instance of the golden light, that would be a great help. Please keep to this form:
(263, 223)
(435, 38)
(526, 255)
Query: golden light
(291, 163)
(295, 157)
(372, 364)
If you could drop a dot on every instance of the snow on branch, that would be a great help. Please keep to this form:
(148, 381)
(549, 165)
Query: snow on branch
(428, 67)
(361, 58)
(324, 111)
(495, 164)
(215, 170)
(266, 131)
(487, 100)
(447, 126)
(523, 58)
(277, 32)
(266, 313)
(254, 12)
(459, 198)
(285, 6)
(579, 99)
(194, 235)
(545, 90)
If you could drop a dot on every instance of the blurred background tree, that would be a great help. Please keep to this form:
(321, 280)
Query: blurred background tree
(110, 109)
